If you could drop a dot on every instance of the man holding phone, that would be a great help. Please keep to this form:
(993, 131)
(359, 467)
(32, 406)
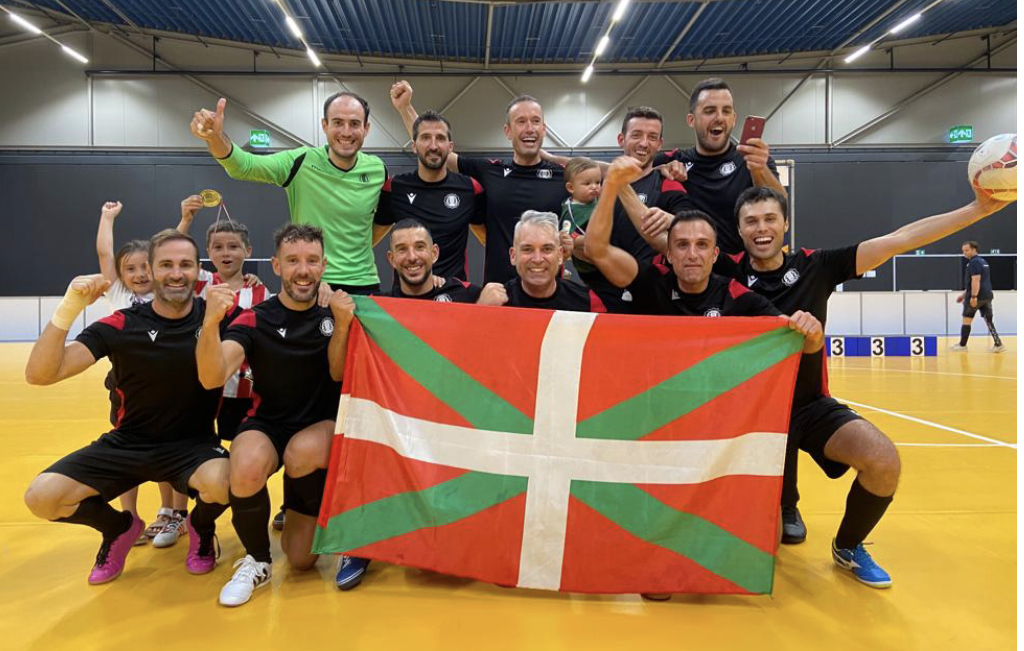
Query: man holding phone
(717, 170)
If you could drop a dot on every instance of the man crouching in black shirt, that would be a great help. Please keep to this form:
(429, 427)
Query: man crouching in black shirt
(413, 255)
(296, 350)
(164, 427)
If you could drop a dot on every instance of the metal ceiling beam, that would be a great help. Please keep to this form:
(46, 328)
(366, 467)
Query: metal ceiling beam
(684, 32)
(611, 112)
(490, 27)
(551, 132)
(910, 99)
(18, 39)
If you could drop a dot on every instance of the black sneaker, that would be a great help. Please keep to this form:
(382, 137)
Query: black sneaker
(794, 531)
(278, 522)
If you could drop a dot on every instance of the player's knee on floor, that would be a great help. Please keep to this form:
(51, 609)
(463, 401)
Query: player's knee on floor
(304, 494)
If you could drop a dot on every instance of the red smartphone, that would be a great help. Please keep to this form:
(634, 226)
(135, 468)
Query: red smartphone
(753, 127)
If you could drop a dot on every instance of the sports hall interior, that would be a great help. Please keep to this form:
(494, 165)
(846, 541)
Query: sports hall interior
(863, 145)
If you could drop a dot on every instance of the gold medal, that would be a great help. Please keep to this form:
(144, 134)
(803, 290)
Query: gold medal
(210, 198)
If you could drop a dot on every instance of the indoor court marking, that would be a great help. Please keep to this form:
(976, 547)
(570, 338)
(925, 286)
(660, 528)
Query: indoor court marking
(949, 540)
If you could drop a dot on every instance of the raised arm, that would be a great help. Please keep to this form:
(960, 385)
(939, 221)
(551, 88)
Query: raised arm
(105, 240)
(208, 126)
(652, 223)
(755, 153)
(874, 252)
(217, 360)
(189, 207)
(401, 99)
(618, 266)
(344, 310)
(51, 360)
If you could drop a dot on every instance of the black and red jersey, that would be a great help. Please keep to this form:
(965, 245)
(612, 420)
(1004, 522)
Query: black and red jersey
(655, 290)
(452, 291)
(568, 296)
(511, 190)
(805, 280)
(714, 183)
(446, 207)
(287, 351)
(154, 372)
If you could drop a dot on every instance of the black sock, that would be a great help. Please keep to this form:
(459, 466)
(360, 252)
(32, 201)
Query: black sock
(204, 515)
(863, 511)
(965, 332)
(250, 517)
(790, 494)
(96, 513)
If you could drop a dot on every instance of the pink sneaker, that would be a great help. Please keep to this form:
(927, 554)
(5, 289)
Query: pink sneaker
(202, 554)
(110, 559)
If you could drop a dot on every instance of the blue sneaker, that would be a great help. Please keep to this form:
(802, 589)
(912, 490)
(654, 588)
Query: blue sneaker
(859, 561)
(350, 572)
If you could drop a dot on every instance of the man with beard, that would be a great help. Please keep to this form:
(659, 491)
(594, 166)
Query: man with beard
(717, 171)
(645, 208)
(832, 433)
(164, 427)
(536, 256)
(413, 255)
(526, 182)
(335, 187)
(296, 350)
(447, 203)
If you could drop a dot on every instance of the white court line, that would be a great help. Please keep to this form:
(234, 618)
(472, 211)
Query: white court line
(917, 371)
(928, 423)
(946, 445)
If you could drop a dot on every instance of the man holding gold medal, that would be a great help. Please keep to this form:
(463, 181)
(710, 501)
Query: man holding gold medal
(335, 187)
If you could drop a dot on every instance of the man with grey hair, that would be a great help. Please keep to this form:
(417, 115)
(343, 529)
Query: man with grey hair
(510, 186)
(536, 255)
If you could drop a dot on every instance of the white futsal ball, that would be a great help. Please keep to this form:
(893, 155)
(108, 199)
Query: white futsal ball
(993, 167)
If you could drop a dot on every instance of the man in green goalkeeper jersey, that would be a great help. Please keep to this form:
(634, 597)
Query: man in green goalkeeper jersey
(334, 187)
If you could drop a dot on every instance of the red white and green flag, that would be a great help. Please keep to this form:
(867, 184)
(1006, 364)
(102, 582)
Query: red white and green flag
(562, 450)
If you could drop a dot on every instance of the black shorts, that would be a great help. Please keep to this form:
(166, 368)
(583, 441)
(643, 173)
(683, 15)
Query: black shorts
(279, 434)
(114, 463)
(814, 424)
(358, 290)
(231, 414)
(984, 306)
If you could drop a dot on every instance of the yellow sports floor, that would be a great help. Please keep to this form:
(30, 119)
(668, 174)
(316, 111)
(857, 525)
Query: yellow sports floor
(949, 541)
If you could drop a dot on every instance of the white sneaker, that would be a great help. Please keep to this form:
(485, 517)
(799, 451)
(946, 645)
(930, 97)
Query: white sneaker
(998, 349)
(250, 575)
(957, 348)
(170, 533)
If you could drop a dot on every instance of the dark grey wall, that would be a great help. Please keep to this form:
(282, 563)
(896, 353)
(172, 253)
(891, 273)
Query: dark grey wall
(51, 201)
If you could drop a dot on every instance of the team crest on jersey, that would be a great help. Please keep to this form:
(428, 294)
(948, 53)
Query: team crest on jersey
(727, 168)
(543, 174)
(282, 331)
(327, 326)
(791, 277)
(627, 297)
(507, 171)
(689, 164)
(642, 197)
(153, 334)
(443, 298)
(751, 279)
(364, 178)
(713, 312)
(411, 196)
(451, 201)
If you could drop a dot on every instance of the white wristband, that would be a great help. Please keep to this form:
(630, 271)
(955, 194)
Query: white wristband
(70, 307)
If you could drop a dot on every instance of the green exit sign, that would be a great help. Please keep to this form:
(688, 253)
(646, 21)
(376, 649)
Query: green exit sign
(259, 138)
(961, 133)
